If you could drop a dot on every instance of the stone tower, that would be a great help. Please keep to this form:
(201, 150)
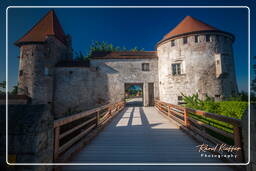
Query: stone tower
(195, 57)
(40, 49)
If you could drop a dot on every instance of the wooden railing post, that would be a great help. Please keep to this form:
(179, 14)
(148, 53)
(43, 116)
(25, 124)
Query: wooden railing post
(169, 110)
(56, 142)
(97, 118)
(110, 111)
(238, 142)
(186, 121)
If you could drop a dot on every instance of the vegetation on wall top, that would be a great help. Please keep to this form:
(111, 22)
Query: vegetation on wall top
(103, 47)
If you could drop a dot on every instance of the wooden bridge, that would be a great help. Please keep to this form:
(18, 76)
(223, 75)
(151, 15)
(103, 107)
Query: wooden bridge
(162, 134)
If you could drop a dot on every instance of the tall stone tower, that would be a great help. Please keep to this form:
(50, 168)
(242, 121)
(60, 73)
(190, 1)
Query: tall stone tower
(195, 57)
(40, 49)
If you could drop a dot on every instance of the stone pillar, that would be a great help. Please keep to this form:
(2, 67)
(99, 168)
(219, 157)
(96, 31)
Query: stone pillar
(145, 94)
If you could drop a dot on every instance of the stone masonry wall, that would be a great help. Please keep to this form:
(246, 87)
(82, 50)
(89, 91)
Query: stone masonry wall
(30, 136)
(121, 71)
(37, 63)
(78, 89)
(82, 88)
(200, 71)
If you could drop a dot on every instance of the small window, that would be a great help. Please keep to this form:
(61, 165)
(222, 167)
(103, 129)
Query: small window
(21, 73)
(172, 43)
(217, 96)
(176, 69)
(185, 40)
(145, 67)
(180, 98)
(196, 38)
(46, 71)
(207, 37)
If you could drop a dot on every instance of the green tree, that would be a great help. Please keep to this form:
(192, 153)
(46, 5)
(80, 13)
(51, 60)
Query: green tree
(2, 87)
(14, 90)
(104, 47)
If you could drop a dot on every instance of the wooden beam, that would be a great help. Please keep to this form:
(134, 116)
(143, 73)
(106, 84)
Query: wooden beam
(56, 142)
(76, 138)
(77, 127)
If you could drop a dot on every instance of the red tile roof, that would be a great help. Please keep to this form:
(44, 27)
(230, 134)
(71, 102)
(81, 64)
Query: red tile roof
(48, 25)
(188, 25)
(126, 55)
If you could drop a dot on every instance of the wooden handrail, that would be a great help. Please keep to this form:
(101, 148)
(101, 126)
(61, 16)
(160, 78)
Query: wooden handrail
(226, 119)
(178, 113)
(89, 120)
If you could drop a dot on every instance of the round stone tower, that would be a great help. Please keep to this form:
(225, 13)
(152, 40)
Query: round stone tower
(195, 57)
(40, 49)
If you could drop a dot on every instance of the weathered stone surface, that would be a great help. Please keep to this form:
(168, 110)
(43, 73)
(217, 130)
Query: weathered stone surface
(81, 88)
(198, 68)
(30, 135)
(121, 71)
(78, 89)
(36, 68)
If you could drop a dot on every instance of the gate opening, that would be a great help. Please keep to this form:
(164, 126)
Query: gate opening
(134, 94)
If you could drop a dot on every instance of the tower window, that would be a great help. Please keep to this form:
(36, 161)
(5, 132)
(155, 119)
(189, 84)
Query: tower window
(46, 71)
(145, 67)
(176, 69)
(172, 43)
(196, 38)
(185, 40)
(207, 38)
(180, 98)
(21, 73)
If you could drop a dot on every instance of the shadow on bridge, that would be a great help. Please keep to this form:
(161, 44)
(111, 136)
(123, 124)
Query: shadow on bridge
(134, 102)
(141, 135)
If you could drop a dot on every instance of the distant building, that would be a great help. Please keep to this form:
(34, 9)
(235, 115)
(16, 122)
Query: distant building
(192, 58)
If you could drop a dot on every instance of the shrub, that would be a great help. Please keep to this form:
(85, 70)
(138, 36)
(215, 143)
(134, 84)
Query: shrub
(234, 109)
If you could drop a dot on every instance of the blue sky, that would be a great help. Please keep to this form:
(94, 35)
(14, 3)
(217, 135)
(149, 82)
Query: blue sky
(128, 27)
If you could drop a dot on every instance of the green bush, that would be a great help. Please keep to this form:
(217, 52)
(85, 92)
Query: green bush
(234, 109)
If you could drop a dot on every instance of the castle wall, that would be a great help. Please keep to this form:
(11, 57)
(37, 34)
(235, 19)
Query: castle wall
(78, 89)
(206, 68)
(83, 88)
(121, 71)
(37, 63)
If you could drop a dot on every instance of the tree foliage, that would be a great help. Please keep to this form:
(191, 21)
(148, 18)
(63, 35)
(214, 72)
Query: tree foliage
(233, 109)
(2, 87)
(104, 47)
(14, 90)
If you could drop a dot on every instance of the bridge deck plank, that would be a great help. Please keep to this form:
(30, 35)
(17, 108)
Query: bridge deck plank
(142, 135)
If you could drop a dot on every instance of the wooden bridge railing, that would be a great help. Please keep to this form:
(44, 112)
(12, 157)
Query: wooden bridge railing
(181, 115)
(69, 130)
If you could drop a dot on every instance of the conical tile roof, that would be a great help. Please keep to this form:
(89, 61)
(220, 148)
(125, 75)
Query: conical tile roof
(48, 25)
(189, 25)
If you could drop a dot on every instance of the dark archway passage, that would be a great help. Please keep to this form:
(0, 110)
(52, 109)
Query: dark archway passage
(134, 94)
